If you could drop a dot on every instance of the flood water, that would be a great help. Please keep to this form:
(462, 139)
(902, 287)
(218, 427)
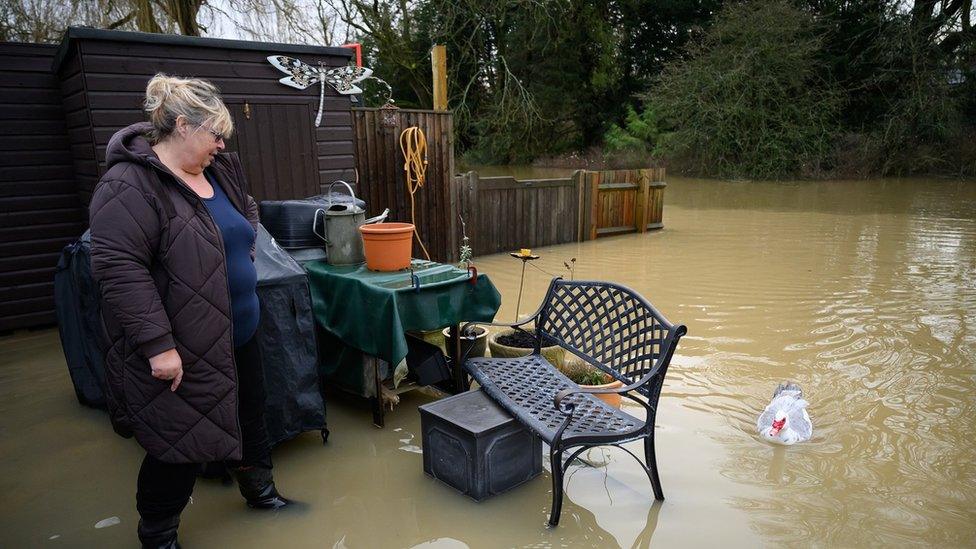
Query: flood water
(864, 292)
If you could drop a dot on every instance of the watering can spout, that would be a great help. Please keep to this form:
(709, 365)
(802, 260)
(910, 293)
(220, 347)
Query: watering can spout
(379, 218)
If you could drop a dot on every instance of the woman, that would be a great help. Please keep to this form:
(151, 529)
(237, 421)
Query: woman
(173, 234)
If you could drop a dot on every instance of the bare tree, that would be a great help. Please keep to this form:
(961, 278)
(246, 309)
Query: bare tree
(46, 20)
(288, 21)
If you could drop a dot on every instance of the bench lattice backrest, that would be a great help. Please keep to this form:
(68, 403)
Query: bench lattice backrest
(611, 327)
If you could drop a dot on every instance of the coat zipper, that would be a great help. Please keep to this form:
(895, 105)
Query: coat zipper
(223, 253)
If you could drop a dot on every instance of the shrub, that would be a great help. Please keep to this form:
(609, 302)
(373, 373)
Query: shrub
(750, 100)
(640, 132)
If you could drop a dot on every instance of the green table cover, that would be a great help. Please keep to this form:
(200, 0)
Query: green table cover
(370, 311)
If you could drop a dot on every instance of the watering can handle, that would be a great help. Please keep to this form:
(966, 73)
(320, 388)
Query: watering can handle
(351, 193)
(325, 226)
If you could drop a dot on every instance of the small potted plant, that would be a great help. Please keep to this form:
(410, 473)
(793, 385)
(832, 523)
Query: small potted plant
(584, 375)
(474, 339)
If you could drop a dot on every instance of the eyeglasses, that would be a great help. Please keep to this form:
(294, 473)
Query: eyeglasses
(217, 135)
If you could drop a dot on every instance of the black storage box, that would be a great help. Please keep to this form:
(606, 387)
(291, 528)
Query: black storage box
(472, 444)
(425, 362)
(290, 221)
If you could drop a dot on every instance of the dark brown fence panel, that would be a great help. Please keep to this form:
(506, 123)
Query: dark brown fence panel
(382, 181)
(506, 214)
(39, 209)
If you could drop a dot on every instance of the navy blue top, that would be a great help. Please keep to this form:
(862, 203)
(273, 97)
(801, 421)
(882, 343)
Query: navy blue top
(238, 236)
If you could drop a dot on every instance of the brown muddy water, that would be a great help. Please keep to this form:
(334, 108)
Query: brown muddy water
(864, 292)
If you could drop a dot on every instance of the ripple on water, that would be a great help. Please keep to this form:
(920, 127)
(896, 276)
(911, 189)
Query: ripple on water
(865, 294)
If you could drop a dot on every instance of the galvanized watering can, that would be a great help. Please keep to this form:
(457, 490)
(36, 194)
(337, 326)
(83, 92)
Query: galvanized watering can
(340, 229)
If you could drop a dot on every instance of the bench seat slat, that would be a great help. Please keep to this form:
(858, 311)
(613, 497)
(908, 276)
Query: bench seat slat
(526, 386)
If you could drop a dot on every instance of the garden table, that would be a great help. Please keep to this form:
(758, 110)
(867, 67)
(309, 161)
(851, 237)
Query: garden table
(365, 313)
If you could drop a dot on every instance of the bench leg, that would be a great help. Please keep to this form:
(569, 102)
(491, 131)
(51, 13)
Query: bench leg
(650, 460)
(556, 464)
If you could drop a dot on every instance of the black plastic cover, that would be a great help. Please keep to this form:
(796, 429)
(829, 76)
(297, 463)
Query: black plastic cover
(287, 335)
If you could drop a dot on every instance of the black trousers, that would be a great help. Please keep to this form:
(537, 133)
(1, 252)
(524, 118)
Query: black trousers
(164, 489)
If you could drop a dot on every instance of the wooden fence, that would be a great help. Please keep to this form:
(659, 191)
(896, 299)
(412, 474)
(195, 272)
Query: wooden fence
(505, 214)
(382, 182)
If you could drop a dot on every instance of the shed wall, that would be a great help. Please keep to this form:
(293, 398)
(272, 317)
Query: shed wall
(104, 82)
(39, 209)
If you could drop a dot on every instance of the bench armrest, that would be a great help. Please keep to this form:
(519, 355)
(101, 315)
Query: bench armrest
(531, 318)
(499, 324)
(557, 400)
(466, 325)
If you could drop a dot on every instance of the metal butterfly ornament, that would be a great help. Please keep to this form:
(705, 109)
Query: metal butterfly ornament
(302, 75)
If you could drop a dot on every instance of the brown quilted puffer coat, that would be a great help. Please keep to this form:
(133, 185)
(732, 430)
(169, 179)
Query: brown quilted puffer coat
(159, 259)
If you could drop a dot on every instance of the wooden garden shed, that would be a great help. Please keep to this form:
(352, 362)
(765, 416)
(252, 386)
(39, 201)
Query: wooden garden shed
(103, 77)
(63, 104)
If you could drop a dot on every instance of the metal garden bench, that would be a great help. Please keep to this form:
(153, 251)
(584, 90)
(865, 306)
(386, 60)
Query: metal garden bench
(610, 327)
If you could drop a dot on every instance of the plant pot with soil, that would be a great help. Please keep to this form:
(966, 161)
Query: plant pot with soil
(584, 375)
(511, 343)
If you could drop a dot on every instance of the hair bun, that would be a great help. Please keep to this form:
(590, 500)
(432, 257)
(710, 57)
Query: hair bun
(198, 101)
(159, 89)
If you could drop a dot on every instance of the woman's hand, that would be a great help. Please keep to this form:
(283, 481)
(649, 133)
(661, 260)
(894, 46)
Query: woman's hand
(168, 365)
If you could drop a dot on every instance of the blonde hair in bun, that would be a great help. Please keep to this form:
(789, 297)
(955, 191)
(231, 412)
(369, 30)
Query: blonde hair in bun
(169, 97)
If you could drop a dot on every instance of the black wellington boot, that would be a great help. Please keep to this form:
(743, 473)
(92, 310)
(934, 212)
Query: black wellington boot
(159, 533)
(258, 488)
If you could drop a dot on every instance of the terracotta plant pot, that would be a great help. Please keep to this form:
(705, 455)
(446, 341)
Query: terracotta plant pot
(554, 354)
(387, 245)
(611, 399)
(576, 368)
(478, 344)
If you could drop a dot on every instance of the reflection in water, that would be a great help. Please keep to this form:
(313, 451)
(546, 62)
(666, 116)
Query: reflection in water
(864, 292)
(777, 466)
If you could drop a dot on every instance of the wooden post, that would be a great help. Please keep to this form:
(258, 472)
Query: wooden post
(471, 214)
(643, 199)
(438, 62)
(579, 181)
(595, 180)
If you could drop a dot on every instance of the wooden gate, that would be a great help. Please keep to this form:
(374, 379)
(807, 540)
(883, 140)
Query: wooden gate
(620, 201)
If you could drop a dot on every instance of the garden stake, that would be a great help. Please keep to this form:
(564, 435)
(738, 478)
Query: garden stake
(525, 255)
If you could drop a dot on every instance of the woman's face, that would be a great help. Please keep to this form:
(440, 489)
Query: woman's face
(198, 145)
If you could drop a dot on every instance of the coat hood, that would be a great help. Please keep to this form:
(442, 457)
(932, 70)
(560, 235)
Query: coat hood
(130, 145)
